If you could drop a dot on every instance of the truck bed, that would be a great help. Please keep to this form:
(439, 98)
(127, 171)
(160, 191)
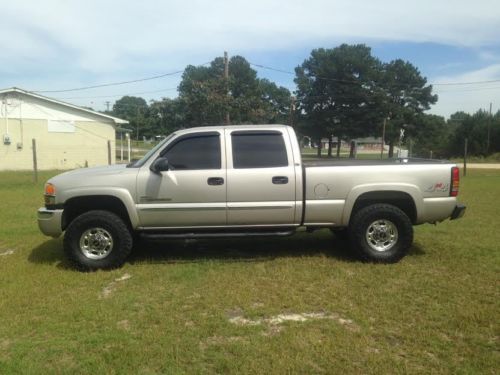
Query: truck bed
(332, 185)
(332, 162)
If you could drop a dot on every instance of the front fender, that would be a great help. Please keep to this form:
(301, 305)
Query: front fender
(118, 192)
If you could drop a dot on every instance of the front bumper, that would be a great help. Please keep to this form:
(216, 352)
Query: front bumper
(458, 212)
(50, 222)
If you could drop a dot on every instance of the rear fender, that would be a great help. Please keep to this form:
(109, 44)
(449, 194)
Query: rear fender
(412, 190)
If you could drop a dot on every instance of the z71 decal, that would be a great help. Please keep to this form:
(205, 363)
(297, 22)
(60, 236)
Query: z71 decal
(439, 187)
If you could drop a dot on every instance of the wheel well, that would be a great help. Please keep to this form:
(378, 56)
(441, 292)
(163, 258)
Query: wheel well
(74, 207)
(397, 198)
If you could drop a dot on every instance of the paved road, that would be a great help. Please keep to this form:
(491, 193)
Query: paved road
(480, 165)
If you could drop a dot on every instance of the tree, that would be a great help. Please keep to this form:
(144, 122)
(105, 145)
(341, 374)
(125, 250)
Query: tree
(336, 92)
(206, 96)
(203, 94)
(404, 95)
(475, 129)
(430, 137)
(133, 109)
(166, 116)
(274, 105)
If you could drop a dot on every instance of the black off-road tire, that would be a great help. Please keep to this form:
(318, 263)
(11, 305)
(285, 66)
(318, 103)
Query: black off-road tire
(115, 230)
(390, 216)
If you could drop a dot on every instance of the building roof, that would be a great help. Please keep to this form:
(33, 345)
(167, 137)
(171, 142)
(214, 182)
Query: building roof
(116, 120)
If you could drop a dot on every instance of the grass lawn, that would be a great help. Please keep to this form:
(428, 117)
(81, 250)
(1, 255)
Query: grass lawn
(296, 305)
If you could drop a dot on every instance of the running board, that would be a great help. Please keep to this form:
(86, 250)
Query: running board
(183, 236)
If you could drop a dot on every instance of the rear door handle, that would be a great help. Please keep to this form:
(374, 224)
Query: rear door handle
(215, 181)
(280, 180)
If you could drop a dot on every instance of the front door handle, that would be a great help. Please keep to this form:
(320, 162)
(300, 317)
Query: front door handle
(280, 180)
(214, 181)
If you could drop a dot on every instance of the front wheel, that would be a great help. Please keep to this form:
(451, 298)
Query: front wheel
(381, 233)
(97, 240)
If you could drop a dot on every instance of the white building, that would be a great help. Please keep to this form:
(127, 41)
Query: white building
(67, 136)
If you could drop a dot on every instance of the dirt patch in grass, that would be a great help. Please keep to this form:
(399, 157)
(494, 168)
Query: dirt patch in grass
(280, 319)
(112, 286)
(7, 252)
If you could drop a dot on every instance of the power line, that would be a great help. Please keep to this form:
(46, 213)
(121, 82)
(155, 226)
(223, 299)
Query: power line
(439, 91)
(115, 96)
(465, 83)
(357, 82)
(318, 77)
(270, 68)
(116, 83)
(111, 84)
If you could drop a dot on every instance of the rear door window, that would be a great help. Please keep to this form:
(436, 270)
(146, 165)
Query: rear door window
(258, 149)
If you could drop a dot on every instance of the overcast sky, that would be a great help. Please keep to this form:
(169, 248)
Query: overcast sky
(62, 44)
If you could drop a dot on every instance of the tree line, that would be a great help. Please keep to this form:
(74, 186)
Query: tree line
(342, 92)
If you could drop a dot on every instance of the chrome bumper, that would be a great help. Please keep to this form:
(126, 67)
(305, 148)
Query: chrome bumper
(49, 222)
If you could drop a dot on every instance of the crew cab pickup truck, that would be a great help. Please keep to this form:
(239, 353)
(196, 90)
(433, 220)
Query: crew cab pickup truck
(244, 181)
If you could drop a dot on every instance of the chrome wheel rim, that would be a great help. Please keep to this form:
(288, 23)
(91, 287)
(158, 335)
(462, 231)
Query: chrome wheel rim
(96, 243)
(382, 235)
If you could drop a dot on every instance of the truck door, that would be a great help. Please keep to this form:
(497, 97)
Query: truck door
(192, 193)
(260, 178)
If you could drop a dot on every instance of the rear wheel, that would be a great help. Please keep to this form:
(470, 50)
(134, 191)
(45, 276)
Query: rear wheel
(97, 240)
(381, 233)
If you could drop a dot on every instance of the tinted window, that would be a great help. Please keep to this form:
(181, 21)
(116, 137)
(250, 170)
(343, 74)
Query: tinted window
(195, 152)
(258, 150)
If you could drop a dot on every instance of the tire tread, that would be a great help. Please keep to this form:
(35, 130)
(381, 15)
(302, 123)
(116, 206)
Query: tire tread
(122, 239)
(379, 211)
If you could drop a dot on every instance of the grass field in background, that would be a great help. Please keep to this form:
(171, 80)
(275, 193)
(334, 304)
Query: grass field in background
(295, 305)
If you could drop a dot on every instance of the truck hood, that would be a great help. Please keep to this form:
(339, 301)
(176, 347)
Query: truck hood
(95, 180)
(89, 172)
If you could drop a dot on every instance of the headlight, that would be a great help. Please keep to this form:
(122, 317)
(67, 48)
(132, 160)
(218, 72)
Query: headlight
(50, 195)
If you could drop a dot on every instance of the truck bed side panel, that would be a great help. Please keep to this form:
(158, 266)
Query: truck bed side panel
(331, 191)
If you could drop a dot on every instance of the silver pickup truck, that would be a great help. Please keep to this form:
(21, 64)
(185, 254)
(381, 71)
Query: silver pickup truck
(244, 181)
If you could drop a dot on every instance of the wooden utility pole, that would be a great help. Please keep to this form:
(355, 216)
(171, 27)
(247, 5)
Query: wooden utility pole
(128, 146)
(465, 157)
(35, 162)
(383, 139)
(137, 119)
(226, 79)
(109, 152)
(292, 109)
(488, 136)
(121, 147)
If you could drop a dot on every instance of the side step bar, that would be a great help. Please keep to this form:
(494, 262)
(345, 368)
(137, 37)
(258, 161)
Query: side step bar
(187, 235)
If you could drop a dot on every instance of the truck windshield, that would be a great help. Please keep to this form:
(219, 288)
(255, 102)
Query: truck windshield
(139, 163)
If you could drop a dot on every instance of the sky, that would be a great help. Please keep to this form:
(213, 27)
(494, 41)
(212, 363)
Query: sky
(55, 45)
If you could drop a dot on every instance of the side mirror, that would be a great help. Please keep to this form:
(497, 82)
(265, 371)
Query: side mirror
(159, 165)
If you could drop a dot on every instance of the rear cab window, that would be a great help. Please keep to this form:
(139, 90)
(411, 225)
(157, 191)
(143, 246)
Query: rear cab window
(258, 149)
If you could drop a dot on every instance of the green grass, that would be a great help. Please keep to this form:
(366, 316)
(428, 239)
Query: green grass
(493, 158)
(436, 311)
